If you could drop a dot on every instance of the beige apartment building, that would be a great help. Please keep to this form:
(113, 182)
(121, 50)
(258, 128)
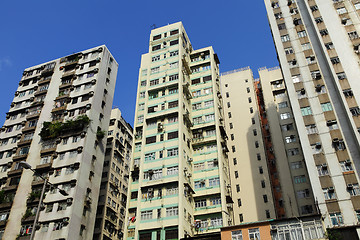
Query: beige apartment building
(268, 174)
(179, 184)
(317, 43)
(56, 123)
(111, 209)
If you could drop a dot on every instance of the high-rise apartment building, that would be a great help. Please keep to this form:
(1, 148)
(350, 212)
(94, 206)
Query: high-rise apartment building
(111, 211)
(55, 124)
(318, 45)
(179, 184)
(268, 174)
(251, 188)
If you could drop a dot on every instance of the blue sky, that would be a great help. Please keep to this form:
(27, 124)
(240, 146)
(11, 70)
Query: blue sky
(37, 31)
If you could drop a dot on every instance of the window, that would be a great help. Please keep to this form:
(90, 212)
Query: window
(173, 77)
(145, 215)
(341, 10)
(155, 58)
(236, 174)
(172, 191)
(174, 53)
(256, 144)
(322, 170)
(174, 65)
(353, 35)
(208, 91)
(254, 234)
(241, 217)
(199, 184)
(301, 34)
(324, 32)
(140, 119)
(335, 60)
(172, 135)
(174, 42)
(296, 78)
(195, 81)
(284, 116)
(326, 107)
(173, 170)
(261, 170)
(209, 118)
(239, 202)
(172, 211)
(196, 106)
(303, 193)
(300, 179)
(156, 47)
(265, 198)
(314, 8)
(283, 105)
(353, 189)
(281, 26)
(173, 104)
(150, 156)
(200, 203)
(355, 111)
(293, 151)
(155, 70)
(305, 111)
(346, 166)
(289, 50)
(336, 219)
(311, 129)
(172, 152)
(214, 182)
(306, 46)
(285, 38)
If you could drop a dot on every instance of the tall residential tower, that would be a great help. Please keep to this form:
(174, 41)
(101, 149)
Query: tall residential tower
(179, 184)
(55, 124)
(268, 174)
(317, 43)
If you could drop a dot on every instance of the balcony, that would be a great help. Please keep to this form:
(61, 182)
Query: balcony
(15, 172)
(44, 80)
(20, 157)
(60, 108)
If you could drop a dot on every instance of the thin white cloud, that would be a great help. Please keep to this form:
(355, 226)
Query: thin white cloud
(5, 62)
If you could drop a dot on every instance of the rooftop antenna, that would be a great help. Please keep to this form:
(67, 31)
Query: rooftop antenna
(153, 26)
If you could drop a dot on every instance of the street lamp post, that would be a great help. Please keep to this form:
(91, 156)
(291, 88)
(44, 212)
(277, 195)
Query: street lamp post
(46, 182)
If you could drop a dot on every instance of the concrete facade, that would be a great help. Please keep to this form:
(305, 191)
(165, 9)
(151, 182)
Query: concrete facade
(58, 111)
(179, 184)
(318, 44)
(268, 173)
(110, 216)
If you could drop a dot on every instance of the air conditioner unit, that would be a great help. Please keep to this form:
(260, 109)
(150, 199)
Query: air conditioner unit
(69, 200)
(348, 162)
(273, 228)
(190, 160)
(330, 189)
(228, 186)
(324, 165)
(185, 169)
(202, 180)
(350, 186)
(150, 189)
(229, 205)
(189, 175)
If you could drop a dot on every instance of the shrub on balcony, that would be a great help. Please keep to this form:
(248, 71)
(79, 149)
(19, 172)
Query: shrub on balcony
(53, 130)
